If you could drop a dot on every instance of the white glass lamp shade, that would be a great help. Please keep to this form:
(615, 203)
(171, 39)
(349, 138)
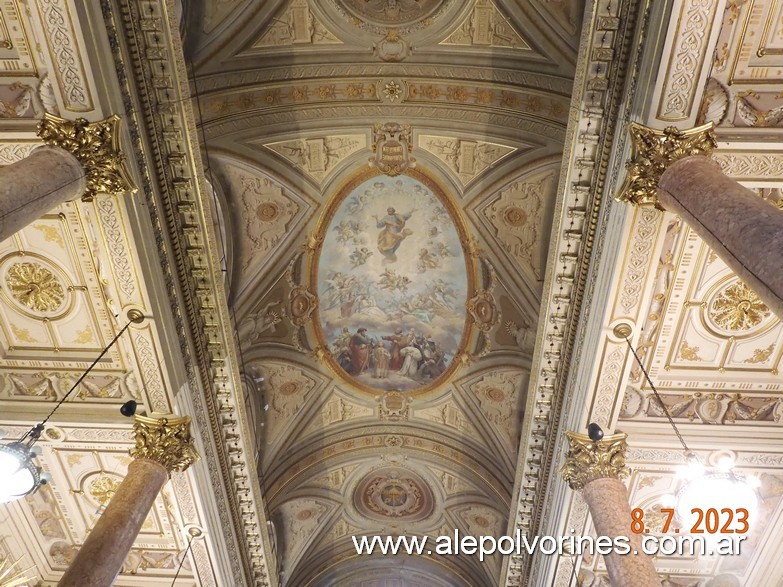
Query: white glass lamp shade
(18, 474)
(718, 491)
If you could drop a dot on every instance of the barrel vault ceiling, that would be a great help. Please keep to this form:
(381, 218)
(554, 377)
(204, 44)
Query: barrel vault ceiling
(271, 113)
(289, 94)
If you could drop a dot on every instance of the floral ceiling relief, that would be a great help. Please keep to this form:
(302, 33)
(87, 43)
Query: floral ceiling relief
(392, 281)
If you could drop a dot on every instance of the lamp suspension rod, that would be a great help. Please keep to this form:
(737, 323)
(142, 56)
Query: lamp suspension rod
(658, 398)
(40, 426)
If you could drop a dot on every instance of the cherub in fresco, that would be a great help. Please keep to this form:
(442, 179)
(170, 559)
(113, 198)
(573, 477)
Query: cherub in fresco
(439, 215)
(391, 281)
(442, 250)
(393, 232)
(358, 202)
(427, 261)
(359, 256)
(348, 231)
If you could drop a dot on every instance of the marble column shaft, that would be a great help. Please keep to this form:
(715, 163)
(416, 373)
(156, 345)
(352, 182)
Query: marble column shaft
(607, 500)
(103, 553)
(31, 187)
(745, 231)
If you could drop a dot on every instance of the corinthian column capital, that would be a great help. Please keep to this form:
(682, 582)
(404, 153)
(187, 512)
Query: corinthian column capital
(166, 441)
(588, 460)
(96, 145)
(652, 151)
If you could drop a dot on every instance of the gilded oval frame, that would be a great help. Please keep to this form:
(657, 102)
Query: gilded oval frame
(469, 330)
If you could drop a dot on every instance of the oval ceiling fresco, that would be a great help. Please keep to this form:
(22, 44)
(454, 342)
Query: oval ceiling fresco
(392, 282)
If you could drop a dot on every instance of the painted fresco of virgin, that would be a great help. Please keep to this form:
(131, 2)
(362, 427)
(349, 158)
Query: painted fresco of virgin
(392, 313)
(393, 232)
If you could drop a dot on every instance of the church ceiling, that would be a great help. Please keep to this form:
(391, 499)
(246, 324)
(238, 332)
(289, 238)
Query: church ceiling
(386, 173)
(460, 112)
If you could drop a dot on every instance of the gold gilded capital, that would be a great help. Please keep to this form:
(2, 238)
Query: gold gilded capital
(652, 151)
(164, 440)
(97, 147)
(589, 460)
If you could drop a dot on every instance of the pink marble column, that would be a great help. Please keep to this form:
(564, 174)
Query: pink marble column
(607, 499)
(163, 445)
(596, 469)
(31, 187)
(107, 546)
(745, 231)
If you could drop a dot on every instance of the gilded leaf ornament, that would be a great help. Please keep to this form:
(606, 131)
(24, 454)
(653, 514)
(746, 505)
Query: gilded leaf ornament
(652, 151)
(35, 287)
(587, 460)
(97, 147)
(738, 307)
(166, 441)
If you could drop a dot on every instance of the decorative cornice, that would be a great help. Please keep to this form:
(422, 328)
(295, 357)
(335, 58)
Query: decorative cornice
(155, 77)
(653, 151)
(606, 55)
(588, 460)
(166, 441)
(97, 147)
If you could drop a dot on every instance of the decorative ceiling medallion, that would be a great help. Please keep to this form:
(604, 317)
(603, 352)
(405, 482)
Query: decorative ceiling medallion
(392, 278)
(737, 308)
(391, 13)
(35, 287)
(395, 493)
(102, 488)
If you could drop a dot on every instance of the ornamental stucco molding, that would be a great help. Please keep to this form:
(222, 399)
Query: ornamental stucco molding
(688, 56)
(605, 59)
(538, 81)
(179, 207)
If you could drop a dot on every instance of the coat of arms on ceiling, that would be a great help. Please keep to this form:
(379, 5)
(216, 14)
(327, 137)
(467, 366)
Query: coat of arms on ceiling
(391, 269)
(391, 148)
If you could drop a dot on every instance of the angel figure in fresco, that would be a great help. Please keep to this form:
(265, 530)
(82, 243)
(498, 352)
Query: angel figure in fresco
(348, 231)
(392, 281)
(359, 256)
(393, 232)
(427, 261)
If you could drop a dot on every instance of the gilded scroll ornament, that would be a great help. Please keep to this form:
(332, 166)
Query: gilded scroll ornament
(652, 151)
(166, 441)
(587, 460)
(97, 147)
